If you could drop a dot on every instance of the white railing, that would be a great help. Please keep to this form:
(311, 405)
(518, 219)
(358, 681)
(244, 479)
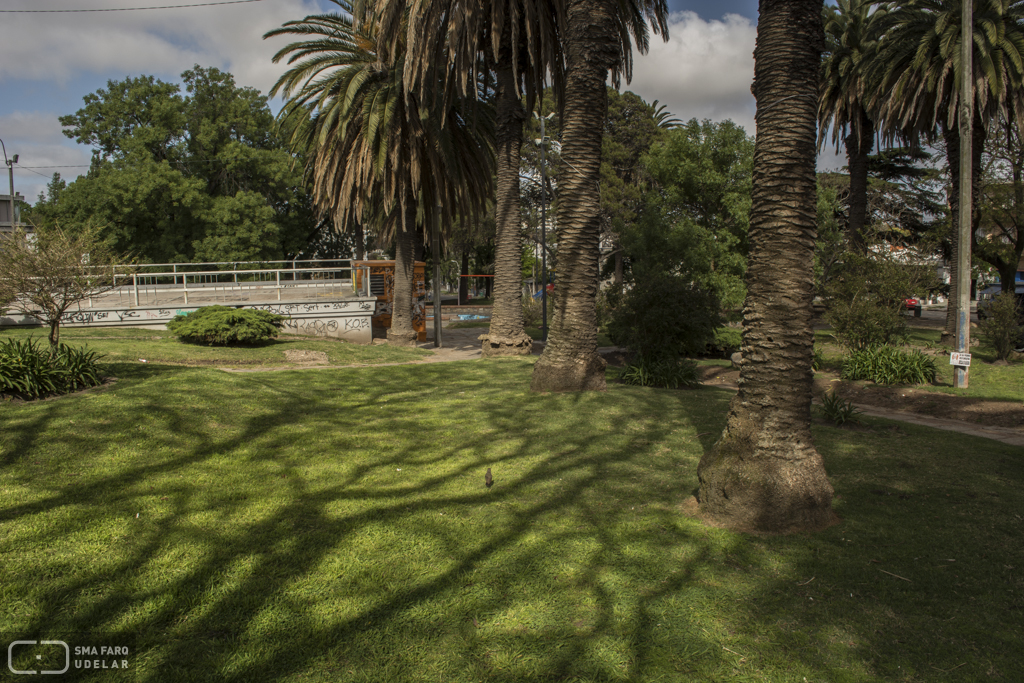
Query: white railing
(170, 280)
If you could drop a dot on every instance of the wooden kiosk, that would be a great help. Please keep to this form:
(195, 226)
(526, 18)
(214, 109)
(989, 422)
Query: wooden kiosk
(382, 286)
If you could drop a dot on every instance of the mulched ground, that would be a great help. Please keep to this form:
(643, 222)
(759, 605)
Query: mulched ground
(1008, 414)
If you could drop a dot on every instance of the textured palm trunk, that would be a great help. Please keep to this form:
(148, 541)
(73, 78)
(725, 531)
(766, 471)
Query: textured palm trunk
(764, 474)
(952, 139)
(570, 361)
(507, 336)
(402, 332)
(859, 143)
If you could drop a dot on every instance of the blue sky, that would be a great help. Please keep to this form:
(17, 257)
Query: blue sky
(49, 62)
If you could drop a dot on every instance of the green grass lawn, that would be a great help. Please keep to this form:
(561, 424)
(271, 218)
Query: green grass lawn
(333, 525)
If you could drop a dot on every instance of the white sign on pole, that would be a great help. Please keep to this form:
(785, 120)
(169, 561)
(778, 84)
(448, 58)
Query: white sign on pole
(963, 359)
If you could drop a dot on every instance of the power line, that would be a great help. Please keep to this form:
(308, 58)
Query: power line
(123, 9)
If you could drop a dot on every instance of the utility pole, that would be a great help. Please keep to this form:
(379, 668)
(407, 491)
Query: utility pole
(966, 113)
(10, 171)
(435, 248)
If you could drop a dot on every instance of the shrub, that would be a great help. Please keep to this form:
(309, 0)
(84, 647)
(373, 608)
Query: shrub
(532, 311)
(664, 316)
(837, 410)
(31, 370)
(726, 341)
(224, 326)
(864, 300)
(1002, 326)
(889, 365)
(670, 373)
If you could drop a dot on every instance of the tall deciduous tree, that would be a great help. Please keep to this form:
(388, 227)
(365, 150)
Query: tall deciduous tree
(1002, 243)
(599, 38)
(764, 474)
(376, 151)
(200, 176)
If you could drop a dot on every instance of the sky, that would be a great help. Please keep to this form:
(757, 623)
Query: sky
(50, 61)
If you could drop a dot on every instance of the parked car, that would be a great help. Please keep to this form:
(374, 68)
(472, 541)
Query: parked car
(913, 304)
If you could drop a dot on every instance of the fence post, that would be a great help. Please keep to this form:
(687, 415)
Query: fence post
(135, 286)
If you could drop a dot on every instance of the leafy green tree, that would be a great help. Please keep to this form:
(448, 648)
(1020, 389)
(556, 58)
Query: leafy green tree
(700, 211)
(200, 176)
(1000, 242)
(632, 127)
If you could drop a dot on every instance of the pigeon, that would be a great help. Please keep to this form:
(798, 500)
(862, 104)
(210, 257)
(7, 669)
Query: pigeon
(488, 479)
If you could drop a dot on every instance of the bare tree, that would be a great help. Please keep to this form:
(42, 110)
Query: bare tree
(46, 274)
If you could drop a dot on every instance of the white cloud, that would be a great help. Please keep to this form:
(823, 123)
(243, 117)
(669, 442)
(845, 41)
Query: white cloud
(57, 48)
(703, 71)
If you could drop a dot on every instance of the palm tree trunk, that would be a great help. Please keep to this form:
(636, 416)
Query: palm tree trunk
(570, 361)
(402, 332)
(764, 474)
(507, 336)
(859, 143)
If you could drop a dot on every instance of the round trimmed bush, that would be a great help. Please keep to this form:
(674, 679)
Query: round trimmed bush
(225, 326)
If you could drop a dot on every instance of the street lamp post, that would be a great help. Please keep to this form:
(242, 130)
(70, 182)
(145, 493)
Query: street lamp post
(10, 172)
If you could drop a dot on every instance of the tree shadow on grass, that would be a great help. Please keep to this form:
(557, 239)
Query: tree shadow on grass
(336, 526)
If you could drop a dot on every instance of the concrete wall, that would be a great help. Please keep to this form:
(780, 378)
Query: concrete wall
(347, 318)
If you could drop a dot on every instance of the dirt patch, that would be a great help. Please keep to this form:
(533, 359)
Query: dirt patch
(1008, 414)
(304, 357)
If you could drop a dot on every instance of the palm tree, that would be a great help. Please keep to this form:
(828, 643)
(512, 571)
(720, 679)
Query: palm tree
(842, 104)
(920, 72)
(764, 474)
(375, 151)
(598, 41)
(519, 40)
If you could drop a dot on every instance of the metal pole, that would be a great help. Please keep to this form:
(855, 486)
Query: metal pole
(10, 172)
(543, 238)
(963, 321)
(435, 247)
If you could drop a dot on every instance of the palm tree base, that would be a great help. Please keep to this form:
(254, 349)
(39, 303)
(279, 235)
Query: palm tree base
(495, 345)
(584, 373)
(744, 487)
(401, 338)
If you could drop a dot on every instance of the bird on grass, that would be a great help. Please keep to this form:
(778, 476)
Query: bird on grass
(488, 479)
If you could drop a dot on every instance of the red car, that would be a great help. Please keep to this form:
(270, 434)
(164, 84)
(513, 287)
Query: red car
(914, 305)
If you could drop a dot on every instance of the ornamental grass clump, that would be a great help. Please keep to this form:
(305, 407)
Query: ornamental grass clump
(224, 326)
(31, 370)
(889, 365)
(665, 372)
